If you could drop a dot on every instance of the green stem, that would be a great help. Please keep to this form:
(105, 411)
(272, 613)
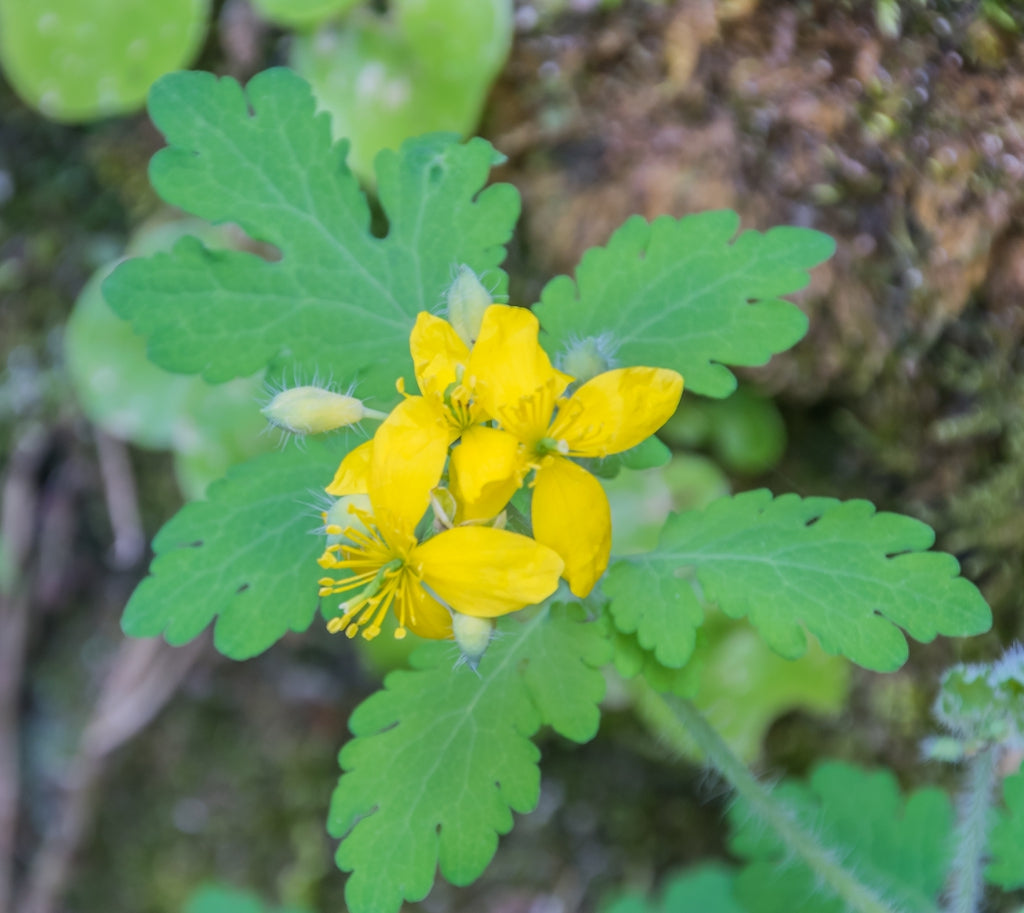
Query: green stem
(682, 724)
(966, 887)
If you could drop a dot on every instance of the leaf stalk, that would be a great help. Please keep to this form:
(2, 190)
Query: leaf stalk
(966, 885)
(682, 724)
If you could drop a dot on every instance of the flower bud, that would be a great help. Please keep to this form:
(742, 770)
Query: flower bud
(313, 410)
(347, 513)
(467, 301)
(586, 358)
(472, 635)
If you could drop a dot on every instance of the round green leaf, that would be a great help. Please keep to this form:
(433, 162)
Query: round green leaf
(379, 93)
(77, 60)
(120, 389)
(302, 14)
(458, 39)
(128, 396)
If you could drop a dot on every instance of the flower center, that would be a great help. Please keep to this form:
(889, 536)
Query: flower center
(379, 573)
(575, 433)
(460, 407)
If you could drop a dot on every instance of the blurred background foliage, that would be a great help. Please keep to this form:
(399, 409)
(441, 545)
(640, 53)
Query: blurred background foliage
(893, 126)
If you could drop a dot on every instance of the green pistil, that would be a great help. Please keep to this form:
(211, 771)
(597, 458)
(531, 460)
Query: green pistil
(550, 445)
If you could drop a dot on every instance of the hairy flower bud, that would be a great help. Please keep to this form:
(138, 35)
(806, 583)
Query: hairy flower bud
(472, 636)
(467, 301)
(314, 410)
(586, 358)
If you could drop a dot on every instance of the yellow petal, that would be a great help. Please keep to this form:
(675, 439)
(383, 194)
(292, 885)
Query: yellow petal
(485, 471)
(511, 374)
(617, 410)
(437, 354)
(409, 451)
(353, 475)
(425, 616)
(487, 572)
(571, 514)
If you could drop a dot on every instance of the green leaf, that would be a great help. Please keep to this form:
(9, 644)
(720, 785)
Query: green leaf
(302, 14)
(703, 889)
(221, 426)
(246, 556)
(215, 898)
(744, 431)
(442, 756)
(403, 99)
(209, 428)
(1006, 843)
(458, 40)
(676, 293)
(899, 846)
(742, 685)
(338, 296)
(78, 60)
(837, 569)
(427, 67)
(630, 660)
(739, 683)
(649, 454)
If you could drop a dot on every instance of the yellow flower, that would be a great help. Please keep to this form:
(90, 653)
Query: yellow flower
(445, 410)
(473, 570)
(513, 380)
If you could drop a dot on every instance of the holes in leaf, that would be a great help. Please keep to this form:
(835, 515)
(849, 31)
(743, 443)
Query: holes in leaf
(242, 589)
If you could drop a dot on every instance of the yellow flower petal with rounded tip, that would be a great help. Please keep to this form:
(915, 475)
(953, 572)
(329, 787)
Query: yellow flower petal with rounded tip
(617, 410)
(571, 514)
(486, 469)
(437, 354)
(409, 452)
(511, 374)
(353, 475)
(487, 572)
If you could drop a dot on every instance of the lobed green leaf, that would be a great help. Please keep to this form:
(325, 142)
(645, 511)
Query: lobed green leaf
(442, 756)
(1006, 843)
(703, 889)
(900, 846)
(984, 702)
(683, 294)
(840, 570)
(338, 297)
(216, 898)
(245, 557)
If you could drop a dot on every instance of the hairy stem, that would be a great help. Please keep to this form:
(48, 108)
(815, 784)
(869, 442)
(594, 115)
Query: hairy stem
(966, 887)
(682, 724)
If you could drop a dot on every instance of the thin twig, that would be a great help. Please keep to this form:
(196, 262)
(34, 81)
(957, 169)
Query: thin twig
(18, 512)
(122, 501)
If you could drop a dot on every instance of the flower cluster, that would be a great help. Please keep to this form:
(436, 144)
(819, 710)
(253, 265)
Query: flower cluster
(492, 417)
